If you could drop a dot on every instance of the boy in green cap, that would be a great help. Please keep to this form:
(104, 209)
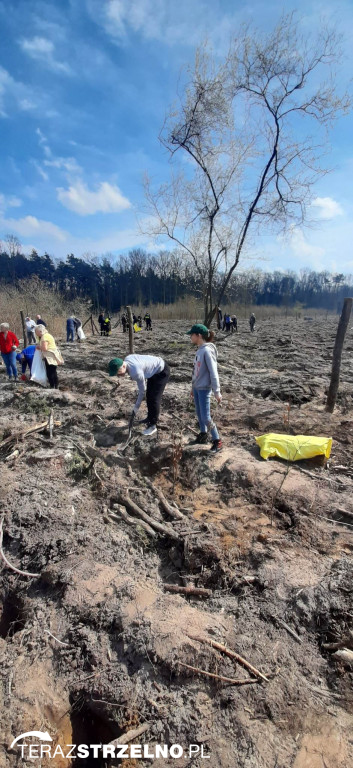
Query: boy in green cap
(142, 368)
(204, 381)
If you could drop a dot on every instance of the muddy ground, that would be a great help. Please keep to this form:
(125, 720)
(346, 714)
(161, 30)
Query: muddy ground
(94, 644)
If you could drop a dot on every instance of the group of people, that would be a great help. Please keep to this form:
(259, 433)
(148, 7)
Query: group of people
(105, 324)
(73, 324)
(136, 322)
(229, 322)
(155, 371)
(44, 342)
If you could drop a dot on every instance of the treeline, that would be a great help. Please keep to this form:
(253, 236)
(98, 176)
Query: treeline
(141, 279)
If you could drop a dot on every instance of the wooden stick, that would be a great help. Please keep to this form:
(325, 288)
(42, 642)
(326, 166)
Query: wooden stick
(129, 504)
(9, 565)
(24, 330)
(30, 431)
(231, 654)
(131, 520)
(229, 680)
(51, 423)
(130, 735)
(198, 591)
(289, 629)
(174, 512)
(337, 354)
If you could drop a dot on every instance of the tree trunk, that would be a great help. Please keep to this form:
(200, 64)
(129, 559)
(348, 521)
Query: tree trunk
(25, 340)
(131, 331)
(337, 353)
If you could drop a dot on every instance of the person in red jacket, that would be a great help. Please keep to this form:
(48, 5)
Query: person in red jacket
(8, 345)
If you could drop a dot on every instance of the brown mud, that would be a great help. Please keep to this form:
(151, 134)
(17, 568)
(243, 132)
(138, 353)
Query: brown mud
(94, 645)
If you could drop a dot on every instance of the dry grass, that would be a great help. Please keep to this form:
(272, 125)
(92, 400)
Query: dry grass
(34, 298)
(192, 309)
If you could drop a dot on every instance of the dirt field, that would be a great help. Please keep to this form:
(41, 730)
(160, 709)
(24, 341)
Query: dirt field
(94, 644)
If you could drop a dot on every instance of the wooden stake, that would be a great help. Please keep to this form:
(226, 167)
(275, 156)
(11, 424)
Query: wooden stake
(131, 330)
(24, 330)
(337, 354)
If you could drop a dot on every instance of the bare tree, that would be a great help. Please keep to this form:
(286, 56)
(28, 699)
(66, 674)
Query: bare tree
(244, 125)
(13, 245)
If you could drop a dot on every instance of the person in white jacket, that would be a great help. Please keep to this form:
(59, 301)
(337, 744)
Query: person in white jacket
(142, 368)
(204, 381)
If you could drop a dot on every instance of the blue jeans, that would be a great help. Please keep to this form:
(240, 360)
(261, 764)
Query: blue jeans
(70, 333)
(10, 362)
(202, 398)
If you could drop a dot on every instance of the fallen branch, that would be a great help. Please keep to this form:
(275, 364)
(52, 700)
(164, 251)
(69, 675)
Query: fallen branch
(174, 512)
(130, 735)
(288, 629)
(231, 654)
(125, 501)
(229, 680)
(30, 431)
(198, 591)
(9, 565)
(131, 520)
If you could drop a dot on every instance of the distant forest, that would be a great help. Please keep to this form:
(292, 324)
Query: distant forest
(141, 279)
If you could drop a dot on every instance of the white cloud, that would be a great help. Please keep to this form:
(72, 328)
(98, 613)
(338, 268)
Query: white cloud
(106, 199)
(40, 170)
(9, 202)
(13, 91)
(43, 50)
(327, 208)
(165, 20)
(30, 226)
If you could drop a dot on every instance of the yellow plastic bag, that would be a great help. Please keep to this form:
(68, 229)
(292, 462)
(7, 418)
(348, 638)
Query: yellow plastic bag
(293, 447)
(137, 328)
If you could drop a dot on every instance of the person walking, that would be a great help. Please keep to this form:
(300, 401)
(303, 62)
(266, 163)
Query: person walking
(124, 322)
(252, 321)
(8, 345)
(26, 358)
(142, 368)
(70, 328)
(30, 326)
(50, 353)
(234, 326)
(204, 381)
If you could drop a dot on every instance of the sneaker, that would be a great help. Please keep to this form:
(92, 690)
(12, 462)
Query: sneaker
(216, 446)
(150, 430)
(201, 439)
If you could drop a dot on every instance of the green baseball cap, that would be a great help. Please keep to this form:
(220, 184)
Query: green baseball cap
(114, 366)
(198, 328)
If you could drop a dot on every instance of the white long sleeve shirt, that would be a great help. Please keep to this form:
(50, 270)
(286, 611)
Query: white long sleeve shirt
(140, 368)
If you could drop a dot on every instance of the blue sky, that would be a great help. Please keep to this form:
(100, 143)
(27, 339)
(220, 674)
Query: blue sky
(84, 87)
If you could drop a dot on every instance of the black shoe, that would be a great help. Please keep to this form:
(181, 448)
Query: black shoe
(201, 439)
(216, 446)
